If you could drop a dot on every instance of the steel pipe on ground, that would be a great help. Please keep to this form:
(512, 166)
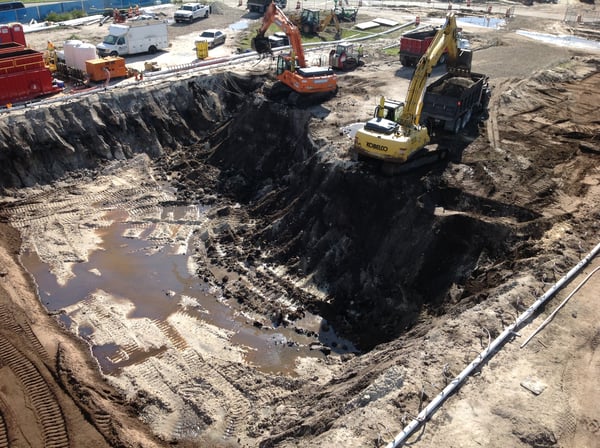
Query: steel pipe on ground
(430, 409)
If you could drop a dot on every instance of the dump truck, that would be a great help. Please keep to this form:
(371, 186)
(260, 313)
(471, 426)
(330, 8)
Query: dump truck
(260, 6)
(451, 101)
(134, 37)
(414, 44)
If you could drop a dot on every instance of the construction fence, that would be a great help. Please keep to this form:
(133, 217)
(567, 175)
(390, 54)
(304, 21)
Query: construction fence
(38, 13)
(582, 15)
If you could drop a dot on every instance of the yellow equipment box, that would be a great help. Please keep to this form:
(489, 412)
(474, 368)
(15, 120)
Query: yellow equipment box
(202, 49)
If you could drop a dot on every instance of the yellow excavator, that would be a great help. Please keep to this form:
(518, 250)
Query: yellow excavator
(309, 22)
(395, 134)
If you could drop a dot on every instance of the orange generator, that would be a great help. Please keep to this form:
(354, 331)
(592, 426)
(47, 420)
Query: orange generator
(107, 68)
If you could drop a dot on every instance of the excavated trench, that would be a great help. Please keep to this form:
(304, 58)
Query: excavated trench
(381, 248)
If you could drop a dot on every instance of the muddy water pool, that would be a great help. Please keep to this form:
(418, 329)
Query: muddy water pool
(156, 275)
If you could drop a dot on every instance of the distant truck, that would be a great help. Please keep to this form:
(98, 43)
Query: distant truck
(414, 44)
(451, 101)
(134, 37)
(260, 6)
(191, 11)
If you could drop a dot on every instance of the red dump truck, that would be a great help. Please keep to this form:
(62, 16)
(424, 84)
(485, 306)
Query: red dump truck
(414, 44)
(450, 102)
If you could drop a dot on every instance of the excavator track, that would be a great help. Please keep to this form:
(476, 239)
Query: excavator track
(419, 159)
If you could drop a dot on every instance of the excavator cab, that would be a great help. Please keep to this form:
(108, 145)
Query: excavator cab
(389, 109)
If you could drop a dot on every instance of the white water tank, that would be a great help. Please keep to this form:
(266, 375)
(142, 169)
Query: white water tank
(69, 49)
(82, 53)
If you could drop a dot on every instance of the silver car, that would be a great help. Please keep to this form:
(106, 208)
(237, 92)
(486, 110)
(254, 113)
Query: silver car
(213, 37)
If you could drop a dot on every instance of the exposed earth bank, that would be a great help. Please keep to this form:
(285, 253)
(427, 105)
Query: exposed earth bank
(419, 271)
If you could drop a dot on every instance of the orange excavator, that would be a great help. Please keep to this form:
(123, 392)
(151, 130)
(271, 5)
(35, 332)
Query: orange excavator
(302, 85)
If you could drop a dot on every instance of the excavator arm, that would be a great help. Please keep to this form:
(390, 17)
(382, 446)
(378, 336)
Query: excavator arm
(275, 15)
(331, 18)
(446, 38)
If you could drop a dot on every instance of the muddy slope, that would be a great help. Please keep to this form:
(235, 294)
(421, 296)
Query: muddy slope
(41, 144)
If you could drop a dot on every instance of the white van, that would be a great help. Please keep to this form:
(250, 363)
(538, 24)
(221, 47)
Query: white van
(134, 37)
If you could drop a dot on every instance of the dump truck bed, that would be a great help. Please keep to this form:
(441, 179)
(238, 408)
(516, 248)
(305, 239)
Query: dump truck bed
(452, 97)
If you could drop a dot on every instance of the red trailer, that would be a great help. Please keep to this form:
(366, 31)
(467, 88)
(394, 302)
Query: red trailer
(9, 47)
(24, 76)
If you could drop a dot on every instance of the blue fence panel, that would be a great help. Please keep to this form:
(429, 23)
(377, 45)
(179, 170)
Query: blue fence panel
(91, 7)
(8, 16)
(25, 15)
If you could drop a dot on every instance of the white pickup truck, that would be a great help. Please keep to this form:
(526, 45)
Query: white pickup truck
(191, 11)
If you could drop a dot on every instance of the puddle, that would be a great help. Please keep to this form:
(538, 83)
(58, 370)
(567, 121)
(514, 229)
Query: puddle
(155, 280)
(240, 25)
(562, 40)
(487, 22)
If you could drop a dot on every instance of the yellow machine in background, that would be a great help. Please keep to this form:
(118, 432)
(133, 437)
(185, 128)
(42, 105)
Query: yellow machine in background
(309, 22)
(405, 139)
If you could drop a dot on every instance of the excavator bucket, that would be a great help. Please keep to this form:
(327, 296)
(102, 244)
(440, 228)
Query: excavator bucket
(462, 66)
(261, 45)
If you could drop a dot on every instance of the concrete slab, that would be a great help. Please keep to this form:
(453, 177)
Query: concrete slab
(385, 22)
(366, 25)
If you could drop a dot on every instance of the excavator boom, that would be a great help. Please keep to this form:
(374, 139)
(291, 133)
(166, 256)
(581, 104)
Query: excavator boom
(446, 38)
(274, 15)
(292, 71)
(406, 139)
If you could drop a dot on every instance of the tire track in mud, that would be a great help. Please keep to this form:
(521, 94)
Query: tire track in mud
(3, 433)
(44, 403)
(9, 322)
(235, 405)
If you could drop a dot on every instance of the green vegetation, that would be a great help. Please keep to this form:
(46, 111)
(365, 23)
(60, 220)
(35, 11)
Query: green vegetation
(61, 17)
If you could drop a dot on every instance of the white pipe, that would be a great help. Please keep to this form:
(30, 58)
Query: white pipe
(558, 308)
(428, 411)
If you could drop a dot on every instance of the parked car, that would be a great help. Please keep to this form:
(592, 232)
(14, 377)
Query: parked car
(213, 37)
